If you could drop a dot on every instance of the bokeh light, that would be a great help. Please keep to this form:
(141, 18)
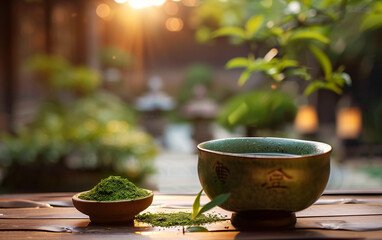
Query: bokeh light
(171, 8)
(103, 10)
(174, 24)
(191, 3)
(120, 1)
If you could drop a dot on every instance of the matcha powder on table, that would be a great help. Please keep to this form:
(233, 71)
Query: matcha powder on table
(177, 219)
(114, 188)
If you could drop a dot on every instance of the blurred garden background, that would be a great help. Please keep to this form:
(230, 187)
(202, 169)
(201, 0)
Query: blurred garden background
(92, 88)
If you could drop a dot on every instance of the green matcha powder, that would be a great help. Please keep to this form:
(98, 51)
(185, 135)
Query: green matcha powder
(114, 188)
(177, 219)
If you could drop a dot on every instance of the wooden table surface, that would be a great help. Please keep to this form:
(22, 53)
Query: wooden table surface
(346, 215)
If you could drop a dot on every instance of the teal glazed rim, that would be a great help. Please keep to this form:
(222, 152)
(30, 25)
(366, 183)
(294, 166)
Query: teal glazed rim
(323, 148)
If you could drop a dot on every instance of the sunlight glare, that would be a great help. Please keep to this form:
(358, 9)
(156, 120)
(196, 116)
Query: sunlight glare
(158, 2)
(120, 1)
(145, 3)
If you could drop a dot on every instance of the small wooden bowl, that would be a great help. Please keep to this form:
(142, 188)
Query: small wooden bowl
(112, 211)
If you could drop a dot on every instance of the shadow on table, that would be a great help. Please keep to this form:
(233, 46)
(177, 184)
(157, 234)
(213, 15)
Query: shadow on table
(284, 234)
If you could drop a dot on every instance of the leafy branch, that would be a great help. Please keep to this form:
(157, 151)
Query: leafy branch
(291, 29)
(279, 67)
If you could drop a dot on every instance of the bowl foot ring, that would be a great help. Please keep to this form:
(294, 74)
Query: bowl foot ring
(263, 219)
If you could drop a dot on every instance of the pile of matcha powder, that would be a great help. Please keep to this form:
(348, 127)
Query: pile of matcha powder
(114, 188)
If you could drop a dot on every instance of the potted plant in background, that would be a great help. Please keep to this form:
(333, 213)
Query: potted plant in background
(258, 110)
(79, 134)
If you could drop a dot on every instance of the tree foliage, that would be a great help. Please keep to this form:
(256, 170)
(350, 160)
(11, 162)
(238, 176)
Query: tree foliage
(283, 34)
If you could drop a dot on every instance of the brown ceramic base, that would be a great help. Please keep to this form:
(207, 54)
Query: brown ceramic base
(263, 219)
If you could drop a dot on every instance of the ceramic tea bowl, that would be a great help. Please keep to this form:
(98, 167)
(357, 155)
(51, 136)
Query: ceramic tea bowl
(269, 178)
(112, 211)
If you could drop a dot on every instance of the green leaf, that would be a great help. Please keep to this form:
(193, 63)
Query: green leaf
(286, 63)
(337, 79)
(341, 78)
(333, 87)
(312, 87)
(276, 31)
(239, 62)
(263, 65)
(307, 2)
(218, 200)
(316, 85)
(300, 72)
(328, 3)
(203, 35)
(229, 31)
(270, 67)
(244, 76)
(196, 229)
(371, 21)
(238, 113)
(308, 35)
(196, 205)
(253, 25)
(323, 60)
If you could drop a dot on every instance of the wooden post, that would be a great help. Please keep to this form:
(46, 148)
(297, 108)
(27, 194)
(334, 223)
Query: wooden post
(7, 61)
(92, 40)
(86, 34)
(48, 26)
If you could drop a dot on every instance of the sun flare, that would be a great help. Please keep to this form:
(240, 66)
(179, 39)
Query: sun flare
(145, 3)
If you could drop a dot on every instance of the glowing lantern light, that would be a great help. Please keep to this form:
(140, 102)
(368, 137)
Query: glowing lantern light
(306, 120)
(349, 123)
